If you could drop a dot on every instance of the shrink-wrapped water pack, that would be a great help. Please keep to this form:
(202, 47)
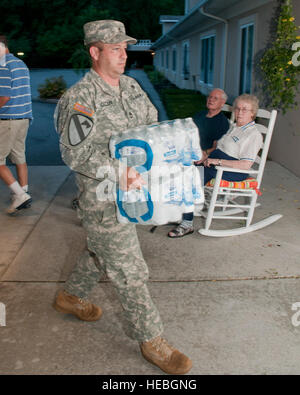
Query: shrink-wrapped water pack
(163, 153)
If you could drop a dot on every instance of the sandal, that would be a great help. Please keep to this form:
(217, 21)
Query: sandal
(180, 231)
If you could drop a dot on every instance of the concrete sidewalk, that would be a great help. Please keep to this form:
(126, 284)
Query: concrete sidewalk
(226, 302)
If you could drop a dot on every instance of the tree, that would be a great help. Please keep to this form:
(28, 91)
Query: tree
(51, 35)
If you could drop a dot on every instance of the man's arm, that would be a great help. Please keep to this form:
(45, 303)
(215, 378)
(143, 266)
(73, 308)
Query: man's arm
(3, 100)
(87, 157)
(210, 150)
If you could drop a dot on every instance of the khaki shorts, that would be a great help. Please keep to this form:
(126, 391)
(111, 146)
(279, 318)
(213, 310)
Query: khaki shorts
(12, 140)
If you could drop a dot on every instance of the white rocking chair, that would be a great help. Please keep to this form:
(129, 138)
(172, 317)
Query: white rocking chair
(223, 202)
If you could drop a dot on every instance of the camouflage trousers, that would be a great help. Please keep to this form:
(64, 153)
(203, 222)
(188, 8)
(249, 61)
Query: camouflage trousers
(113, 249)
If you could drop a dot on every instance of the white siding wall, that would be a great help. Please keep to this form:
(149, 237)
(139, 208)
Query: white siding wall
(285, 145)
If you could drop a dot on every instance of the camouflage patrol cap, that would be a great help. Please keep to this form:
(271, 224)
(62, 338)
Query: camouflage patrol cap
(107, 31)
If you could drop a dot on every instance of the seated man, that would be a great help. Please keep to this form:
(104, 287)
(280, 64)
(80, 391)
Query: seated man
(212, 125)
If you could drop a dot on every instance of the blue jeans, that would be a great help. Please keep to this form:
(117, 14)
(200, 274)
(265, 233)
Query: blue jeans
(210, 172)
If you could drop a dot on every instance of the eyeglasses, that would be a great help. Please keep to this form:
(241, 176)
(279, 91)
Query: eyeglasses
(242, 110)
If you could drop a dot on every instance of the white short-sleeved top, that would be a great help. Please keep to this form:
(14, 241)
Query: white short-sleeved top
(242, 143)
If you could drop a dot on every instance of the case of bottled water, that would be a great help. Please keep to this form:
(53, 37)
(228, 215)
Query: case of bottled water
(163, 153)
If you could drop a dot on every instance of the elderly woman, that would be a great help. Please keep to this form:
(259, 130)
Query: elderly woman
(237, 149)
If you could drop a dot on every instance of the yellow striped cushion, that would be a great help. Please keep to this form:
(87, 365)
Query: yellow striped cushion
(249, 183)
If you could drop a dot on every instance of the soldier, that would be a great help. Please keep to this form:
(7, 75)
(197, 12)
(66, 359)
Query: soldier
(102, 103)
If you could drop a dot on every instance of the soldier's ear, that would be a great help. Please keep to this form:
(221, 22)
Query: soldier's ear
(94, 52)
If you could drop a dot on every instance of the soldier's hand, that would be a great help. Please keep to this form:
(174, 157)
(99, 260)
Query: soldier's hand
(131, 179)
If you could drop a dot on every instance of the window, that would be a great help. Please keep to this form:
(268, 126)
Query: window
(186, 60)
(162, 59)
(247, 41)
(207, 60)
(167, 59)
(174, 56)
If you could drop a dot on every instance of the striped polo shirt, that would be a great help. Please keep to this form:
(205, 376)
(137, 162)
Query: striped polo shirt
(15, 83)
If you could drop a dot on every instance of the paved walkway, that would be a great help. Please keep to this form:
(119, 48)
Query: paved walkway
(227, 302)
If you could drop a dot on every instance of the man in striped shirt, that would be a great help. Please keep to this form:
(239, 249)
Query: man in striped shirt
(15, 115)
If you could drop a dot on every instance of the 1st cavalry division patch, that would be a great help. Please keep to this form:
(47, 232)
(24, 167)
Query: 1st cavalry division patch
(80, 127)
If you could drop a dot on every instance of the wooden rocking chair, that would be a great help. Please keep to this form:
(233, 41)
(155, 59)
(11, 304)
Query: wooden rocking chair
(225, 196)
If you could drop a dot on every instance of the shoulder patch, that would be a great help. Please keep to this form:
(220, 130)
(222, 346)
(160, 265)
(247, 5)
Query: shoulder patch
(84, 110)
(80, 127)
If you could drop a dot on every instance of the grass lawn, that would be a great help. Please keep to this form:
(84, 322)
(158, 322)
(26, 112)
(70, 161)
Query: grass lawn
(182, 103)
(179, 103)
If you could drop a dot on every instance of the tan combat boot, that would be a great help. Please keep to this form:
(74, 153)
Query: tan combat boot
(71, 304)
(166, 357)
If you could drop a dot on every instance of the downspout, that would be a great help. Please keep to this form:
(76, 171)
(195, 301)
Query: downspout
(201, 10)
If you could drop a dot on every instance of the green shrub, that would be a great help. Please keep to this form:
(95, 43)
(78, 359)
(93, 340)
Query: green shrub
(282, 76)
(53, 88)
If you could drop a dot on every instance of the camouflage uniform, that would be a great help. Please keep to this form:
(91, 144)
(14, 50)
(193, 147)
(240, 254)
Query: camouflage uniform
(87, 115)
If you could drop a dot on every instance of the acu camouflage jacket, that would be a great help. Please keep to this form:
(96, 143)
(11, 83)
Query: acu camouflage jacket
(90, 112)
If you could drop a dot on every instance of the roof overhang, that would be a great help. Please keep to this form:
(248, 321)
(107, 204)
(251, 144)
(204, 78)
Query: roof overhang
(195, 20)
